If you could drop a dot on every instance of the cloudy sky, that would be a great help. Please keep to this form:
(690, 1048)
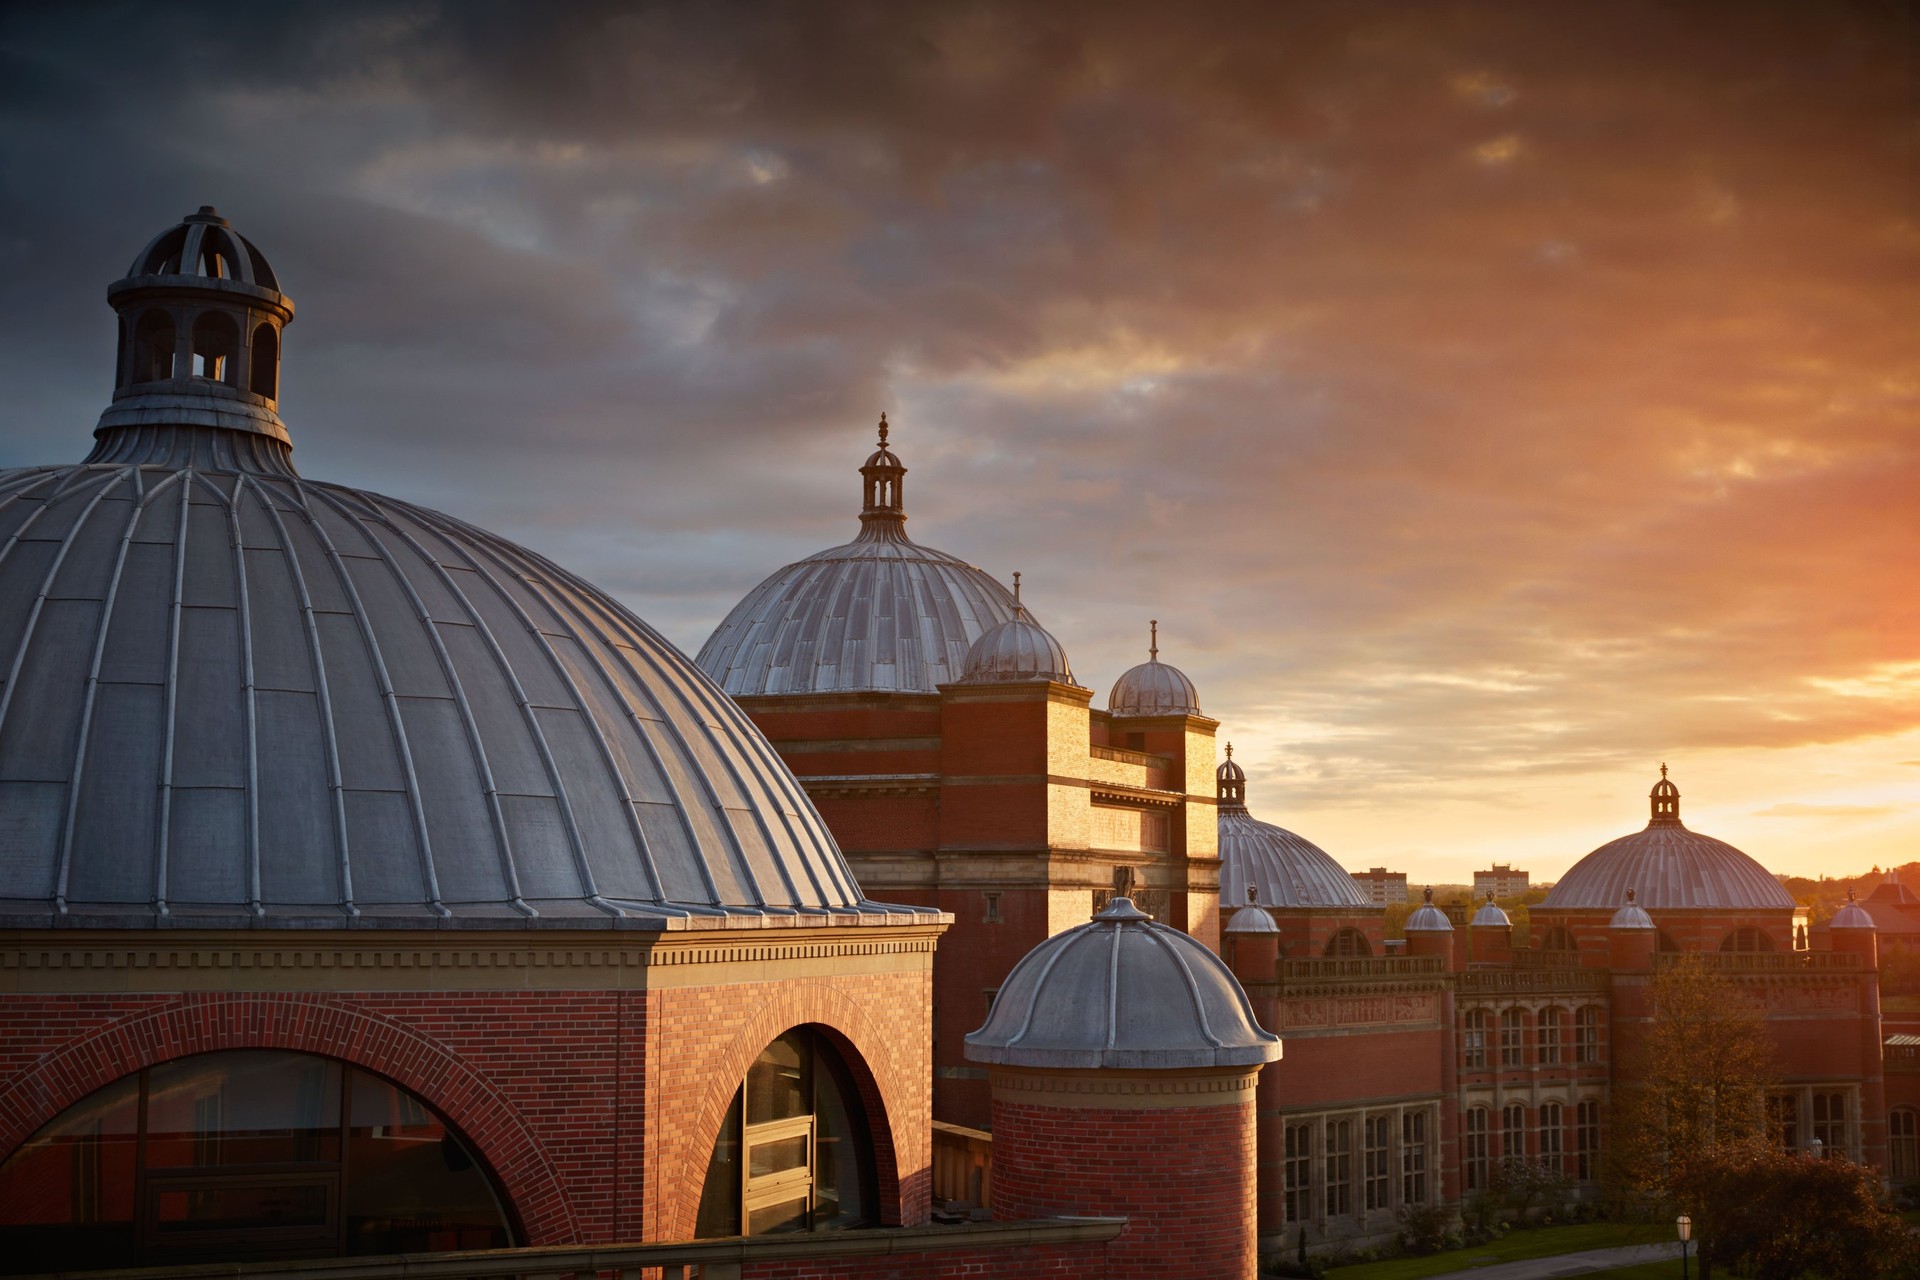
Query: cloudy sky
(1491, 400)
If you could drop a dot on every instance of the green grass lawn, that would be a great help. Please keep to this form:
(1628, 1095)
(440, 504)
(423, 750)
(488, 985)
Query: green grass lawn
(1669, 1270)
(1542, 1242)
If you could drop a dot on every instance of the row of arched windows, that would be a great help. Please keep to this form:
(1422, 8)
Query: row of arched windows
(1486, 1041)
(213, 351)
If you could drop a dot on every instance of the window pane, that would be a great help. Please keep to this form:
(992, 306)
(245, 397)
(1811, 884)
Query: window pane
(777, 1155)
(245, 1107)
(248, 1205)
(720, 1197)
(776, 1082)
(66, 1197)
(840, 1193)
(413, 1185)
(789, 1215)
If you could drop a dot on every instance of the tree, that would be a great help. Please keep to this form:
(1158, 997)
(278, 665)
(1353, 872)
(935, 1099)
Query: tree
(1693, 1092)
(1784, 1216)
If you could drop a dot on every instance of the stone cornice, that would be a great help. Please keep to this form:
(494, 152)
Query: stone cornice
(78, 961)
(1111, 1090)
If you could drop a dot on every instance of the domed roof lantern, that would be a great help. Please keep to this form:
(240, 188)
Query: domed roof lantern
(1019, 649)
(1153, 688)
(1851, 916)
(201, 314)
(883, 511)
(1252, 917)
(1122, 991)
(1490, 916)
(1427, 918)
(1230, 783)
(1631, 916)
(1666, 802)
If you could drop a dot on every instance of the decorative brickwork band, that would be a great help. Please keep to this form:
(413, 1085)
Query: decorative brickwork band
(1125, 1090)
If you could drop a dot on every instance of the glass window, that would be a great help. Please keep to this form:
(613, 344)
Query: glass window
(243, 1154)
(1339, 1165)
(1903, 1148)
(1586, 1140)
(1413, 1158)
(1551, 1137)
(1298, 1169)
(1378, 1185)
(792, 1153)
(1477, 1170)
(1830, 1123)
(1474, 1046)
(1586, 1035)
(1513, 1131)
(1348, 942)
(1553, 1024)
(1513, 1038)
(1746, 938)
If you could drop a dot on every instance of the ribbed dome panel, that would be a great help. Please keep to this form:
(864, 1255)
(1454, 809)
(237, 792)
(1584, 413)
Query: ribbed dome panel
(1668, 867)
(243, 697)
(1286, 870)
(879, 613)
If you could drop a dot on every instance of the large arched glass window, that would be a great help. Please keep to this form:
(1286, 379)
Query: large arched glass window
(1348, 942)
(1746, 938)
(794, 1152)
(242, 1154)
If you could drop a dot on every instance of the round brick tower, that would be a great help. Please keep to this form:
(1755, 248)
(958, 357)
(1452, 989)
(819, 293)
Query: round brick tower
(1117, 1047)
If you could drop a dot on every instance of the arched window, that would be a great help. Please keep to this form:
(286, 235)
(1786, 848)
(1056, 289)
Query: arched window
(246, 1153)
(1348, 942)
(793, 1153)
(1513, 1131)
(1513, 1038)
(216, 340)
(1903, 1146)
(1552, 1137)
(1474, 1042)
(1586, 1140)
(1553, 1028)
(1558, 938)
(263, 377)
(1746, 938)
(153, 343)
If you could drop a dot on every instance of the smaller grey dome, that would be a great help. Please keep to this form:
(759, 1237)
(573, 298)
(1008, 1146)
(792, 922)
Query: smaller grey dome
(1490, 916)
(204, 244)
(1122, 991)
(1851, 916)
(1427, 918)
(1153, 688)
(1252, 918)
(1019, 649)
(1228, 770)
(1631, 916)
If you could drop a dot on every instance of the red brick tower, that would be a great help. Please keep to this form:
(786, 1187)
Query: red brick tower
(1119, 1046)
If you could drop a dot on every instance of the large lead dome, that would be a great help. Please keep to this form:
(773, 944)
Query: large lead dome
(236, 696)
(880, 613)
(1282, 869)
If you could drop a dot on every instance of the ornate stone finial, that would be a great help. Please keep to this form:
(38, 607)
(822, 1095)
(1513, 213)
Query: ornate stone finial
(1629, 896)
(883, 428)
(1849, 895)
(1229, 751)
(1016, 591)
(1153, 644)
(1663, 766)
(1427, 896)
(1489, 897)
(1253, 893)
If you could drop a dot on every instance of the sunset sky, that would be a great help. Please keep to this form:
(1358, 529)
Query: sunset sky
(1491, 401)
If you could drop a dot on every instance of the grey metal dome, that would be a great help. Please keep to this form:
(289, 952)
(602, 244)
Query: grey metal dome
(1631, 916)
(1851, 915)
(1019, 649)
(235, 697)
(1252, 919)
(1670, 867)
(1490, 916)
(1122, 991)
(880, 613)
(1427, 918)
(1280, 868)
(204, 244)
(1153, 688)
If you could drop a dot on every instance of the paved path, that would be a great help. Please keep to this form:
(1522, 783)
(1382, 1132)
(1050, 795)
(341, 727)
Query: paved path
(1571, 1264)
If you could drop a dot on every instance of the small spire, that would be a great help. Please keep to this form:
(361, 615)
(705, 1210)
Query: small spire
(1428, 895)
(1489, 897)
(1849, 895)
(883, 428)
(1663, 766)
(1629, 896)
(1153, 644)
(1016, 590)
(1253, 893)
(1229, 751)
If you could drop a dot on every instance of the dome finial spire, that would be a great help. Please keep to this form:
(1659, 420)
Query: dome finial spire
(1017, 606)
(883, 508)
(883, 428)
(1666, 801)
(1153, 642)
(1663, 764)
(1229, 751)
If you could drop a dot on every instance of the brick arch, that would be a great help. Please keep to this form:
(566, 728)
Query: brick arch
(870, 1059)
(302, 1023)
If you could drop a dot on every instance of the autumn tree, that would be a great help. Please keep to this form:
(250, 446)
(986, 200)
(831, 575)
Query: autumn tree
(1786, 1216)
(1692, 1094)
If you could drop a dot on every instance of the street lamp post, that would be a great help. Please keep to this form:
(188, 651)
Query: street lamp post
(1684, 1225)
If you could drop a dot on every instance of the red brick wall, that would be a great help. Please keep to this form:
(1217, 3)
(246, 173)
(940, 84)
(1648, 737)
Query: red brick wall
(595, 1111)
(1193, 1217)
(1079, 1261)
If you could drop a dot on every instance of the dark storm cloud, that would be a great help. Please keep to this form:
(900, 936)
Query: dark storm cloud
(1471, 387)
